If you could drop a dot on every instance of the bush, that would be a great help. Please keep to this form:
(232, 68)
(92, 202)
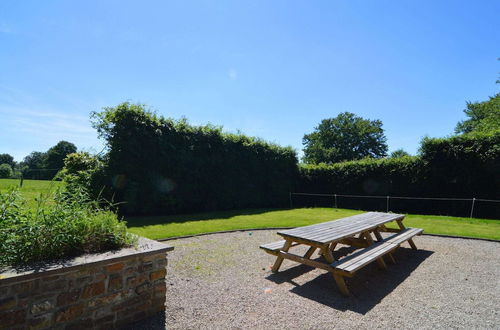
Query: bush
(5, 171)
(158, 165)
(62, 225)
(464, 166)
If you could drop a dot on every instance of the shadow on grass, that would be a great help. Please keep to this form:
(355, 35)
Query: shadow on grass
(139, 221)
(368, 286)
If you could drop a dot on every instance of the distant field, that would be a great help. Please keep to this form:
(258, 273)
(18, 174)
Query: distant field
(31, 189)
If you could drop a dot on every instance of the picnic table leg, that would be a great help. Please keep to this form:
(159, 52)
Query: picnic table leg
(279, 259)
(327, 253)
(402, 227)
(341, 284)
(310, 252)
(379, 238)
(380, 261)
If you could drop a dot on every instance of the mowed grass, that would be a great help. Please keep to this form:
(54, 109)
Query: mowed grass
(158, 227)
(31, 189)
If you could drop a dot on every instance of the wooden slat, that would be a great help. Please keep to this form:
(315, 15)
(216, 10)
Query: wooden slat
(404, 236)
(309, 262)
(357, 260)
(275, 246)
(335, 230)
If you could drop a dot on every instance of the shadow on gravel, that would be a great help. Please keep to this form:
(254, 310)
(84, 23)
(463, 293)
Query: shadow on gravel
(368, 286)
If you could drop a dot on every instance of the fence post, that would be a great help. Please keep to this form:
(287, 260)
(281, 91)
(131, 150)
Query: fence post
(387, 204)
(290, 197)
(472, 208)
(336, 201)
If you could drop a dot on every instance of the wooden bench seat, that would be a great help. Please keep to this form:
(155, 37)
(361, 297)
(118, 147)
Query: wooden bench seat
(274, 247)
(349, 265)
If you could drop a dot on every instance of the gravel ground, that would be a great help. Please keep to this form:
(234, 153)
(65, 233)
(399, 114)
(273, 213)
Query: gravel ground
(223, 281)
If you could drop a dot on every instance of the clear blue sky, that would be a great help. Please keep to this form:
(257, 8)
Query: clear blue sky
(271, 69)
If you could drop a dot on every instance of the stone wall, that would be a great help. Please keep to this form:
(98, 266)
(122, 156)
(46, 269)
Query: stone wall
(99, 291)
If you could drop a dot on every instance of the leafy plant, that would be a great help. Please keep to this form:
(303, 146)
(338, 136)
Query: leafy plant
(62, 225)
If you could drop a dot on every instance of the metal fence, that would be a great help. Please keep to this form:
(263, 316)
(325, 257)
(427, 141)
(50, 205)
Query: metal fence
(387, 201)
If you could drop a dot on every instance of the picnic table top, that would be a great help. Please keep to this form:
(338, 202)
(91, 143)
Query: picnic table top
(327, 232)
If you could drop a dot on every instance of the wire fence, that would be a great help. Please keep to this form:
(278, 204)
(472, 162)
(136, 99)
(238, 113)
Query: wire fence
(387, 203)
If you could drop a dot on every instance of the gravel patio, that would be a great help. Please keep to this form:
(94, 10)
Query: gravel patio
(223, 281)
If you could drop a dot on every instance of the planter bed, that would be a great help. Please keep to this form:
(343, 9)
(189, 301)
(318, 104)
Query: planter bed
(104, 290)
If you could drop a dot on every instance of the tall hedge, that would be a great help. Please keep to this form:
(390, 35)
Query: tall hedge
(465, 166)
(157, 165)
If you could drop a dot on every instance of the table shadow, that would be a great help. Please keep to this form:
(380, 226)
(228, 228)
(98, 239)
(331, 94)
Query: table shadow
(368, 286)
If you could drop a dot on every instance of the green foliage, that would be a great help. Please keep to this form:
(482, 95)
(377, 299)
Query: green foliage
(7, 159)
(159, 165)
(398, 153)
(482, 116)
(369, 176)
(56, 154)
(61, 225)
(464, 165)
(344, 138)
(5, 171)
(82, 171)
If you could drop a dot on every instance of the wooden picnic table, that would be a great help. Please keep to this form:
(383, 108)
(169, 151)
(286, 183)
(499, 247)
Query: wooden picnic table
(355, 231)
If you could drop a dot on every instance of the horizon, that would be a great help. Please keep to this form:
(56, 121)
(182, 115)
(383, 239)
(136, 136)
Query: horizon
(269, 70)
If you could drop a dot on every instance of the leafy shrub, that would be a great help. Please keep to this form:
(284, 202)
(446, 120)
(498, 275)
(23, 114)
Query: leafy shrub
(464, 166)
(5, 171)
(82, 171)
(159, 165)
(62, 225)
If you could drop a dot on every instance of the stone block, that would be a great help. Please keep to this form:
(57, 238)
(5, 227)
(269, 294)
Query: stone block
(41, 322)
(68, 298)
(93, 290)
(11, 318)
(7, 303)
(113, 268)
(70, 313)
(157, 274)
(41, 307)
(115, 282)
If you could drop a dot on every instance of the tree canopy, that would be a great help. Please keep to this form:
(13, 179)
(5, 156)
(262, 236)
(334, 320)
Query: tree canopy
(56, 154)
(7, 159)
(343, 138)
(398, 153)
(482, 116)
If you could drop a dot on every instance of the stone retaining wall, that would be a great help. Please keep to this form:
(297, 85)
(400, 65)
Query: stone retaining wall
(99, 291)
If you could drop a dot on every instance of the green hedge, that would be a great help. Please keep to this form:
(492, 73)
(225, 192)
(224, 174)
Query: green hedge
(463, 166)
(158, 165)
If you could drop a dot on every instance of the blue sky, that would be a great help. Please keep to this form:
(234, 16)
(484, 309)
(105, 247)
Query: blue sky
(271, 69)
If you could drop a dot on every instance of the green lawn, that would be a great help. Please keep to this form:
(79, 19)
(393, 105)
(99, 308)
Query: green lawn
(179, 225)
(31, 189)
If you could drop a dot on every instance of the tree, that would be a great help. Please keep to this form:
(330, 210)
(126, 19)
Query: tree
(56, 154)
(482, 116)
(343, 138)
(35, 160)
(5, 171)
(7, 159)
(399, 153)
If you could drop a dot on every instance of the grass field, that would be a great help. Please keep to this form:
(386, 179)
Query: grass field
(31, 189)
(178, 225)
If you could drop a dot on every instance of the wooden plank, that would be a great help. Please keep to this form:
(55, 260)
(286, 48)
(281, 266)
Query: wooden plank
(279, 259)
(352, 263)
(302, 260)
(275, 246)
(339, 229)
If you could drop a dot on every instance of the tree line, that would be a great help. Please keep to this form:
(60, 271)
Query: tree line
(37, 165)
